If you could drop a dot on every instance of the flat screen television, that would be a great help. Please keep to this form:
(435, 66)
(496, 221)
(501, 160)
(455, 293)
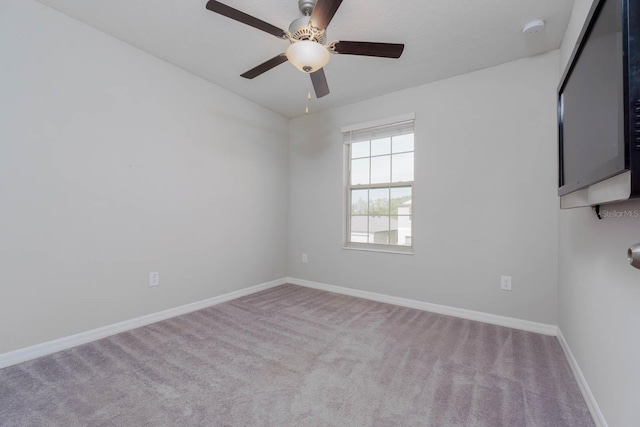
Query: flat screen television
(599, 109)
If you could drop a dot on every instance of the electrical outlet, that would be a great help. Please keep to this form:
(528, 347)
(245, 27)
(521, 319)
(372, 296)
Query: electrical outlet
(154, 279)
(505, 283)
(304, 258)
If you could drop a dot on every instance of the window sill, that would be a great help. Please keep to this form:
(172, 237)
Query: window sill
(399, 250)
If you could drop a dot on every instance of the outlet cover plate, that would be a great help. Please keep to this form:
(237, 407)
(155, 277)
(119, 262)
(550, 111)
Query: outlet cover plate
(154, 278)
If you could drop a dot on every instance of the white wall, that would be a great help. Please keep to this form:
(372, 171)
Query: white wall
(113, 164)
(599, 293)
(485, 193)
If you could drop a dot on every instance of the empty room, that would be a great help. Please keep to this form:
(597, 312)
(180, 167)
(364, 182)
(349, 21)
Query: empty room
(319, 213)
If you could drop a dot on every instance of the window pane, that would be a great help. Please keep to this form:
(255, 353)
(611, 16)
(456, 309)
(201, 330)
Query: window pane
(402, 167)
(360, 149)
(401, 201)
(379, 229)
(403, 235)
(381, 174)
(380, 169)
(360, 171)
(379, 201)
(402, 143)
(380, 146)
(359, 202)
(393, 240)
(359, 227)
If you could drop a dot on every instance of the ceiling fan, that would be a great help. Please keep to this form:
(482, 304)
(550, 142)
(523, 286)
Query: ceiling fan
(307, 35)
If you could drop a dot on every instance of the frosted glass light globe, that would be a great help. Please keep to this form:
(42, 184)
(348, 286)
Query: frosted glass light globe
(308, 56)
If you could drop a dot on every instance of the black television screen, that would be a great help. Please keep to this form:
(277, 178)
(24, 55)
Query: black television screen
(592, 105)
(599, 108)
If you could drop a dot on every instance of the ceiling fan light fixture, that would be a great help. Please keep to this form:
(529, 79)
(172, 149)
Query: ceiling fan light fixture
(308, 56)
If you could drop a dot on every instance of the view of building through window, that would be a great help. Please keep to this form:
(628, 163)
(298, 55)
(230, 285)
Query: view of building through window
(380, 191)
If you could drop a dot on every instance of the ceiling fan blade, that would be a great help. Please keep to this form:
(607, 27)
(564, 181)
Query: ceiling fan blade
(229, 12)
(382, 50)
(320, 85)
(323, 13)
(265, 66)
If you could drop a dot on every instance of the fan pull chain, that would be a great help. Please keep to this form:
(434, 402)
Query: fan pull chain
(306, 108)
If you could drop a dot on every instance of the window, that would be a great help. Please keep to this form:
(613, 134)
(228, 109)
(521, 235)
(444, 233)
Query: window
(379, 179)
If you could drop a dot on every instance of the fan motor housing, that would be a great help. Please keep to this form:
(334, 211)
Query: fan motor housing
(300, 29)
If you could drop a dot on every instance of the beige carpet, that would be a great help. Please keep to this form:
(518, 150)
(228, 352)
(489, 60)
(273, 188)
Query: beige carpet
(293, 356)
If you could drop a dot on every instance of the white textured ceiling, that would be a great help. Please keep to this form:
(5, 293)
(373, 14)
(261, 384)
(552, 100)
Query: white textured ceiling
(442, 38)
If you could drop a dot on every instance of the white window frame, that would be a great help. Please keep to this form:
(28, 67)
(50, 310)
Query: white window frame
(373, 130)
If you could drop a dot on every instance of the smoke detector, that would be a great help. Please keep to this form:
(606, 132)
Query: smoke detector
(533, 28)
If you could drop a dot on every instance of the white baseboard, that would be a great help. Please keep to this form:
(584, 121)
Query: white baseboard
(594, 409)
(38, 350)
(510, 322)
